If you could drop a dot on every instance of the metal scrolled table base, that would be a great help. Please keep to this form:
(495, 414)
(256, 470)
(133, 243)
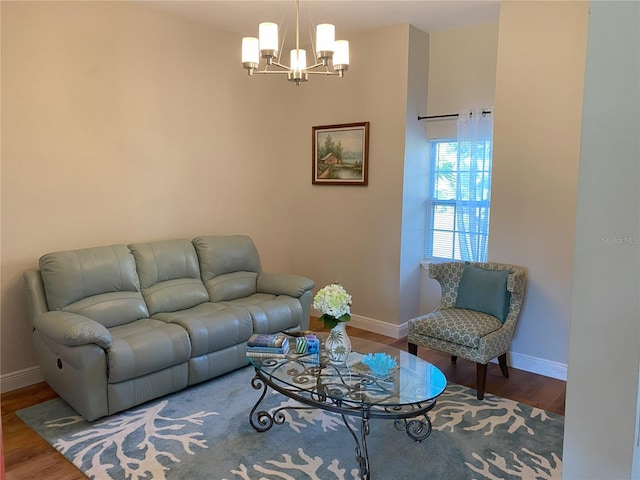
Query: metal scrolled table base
(405, 417)
(416, 429)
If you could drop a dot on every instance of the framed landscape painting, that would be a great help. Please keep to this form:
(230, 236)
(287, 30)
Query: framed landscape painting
(341, 154)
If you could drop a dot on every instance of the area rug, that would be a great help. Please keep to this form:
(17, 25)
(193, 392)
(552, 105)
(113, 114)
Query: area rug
(203, 432)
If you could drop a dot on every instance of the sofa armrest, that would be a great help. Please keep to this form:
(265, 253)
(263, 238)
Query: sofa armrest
(71, 329)
(283, 284)
(36, 298)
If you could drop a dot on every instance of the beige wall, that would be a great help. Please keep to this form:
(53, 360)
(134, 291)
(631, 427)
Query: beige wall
(122, 124)
(346, 233)
(414, 189)
(462, 75)
(537, 121)
(604, 352)
(119, 124)
(529, 67)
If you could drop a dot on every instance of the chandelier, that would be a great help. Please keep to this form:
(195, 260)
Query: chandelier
(327, 49)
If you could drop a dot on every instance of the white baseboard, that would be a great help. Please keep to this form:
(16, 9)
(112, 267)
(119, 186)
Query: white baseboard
(376, 326)
(21, 378)
(539, 366)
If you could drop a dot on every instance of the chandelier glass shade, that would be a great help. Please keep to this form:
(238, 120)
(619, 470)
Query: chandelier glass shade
(331, 55)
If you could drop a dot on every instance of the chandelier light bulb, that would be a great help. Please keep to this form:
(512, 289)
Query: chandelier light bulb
(268, 37)
(298, 60)
(341, 55)
(250, 52)
(325, 40)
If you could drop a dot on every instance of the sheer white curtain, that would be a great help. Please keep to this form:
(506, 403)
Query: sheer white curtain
(475, 132)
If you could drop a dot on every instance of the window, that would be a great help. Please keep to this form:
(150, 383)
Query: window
(458, 199)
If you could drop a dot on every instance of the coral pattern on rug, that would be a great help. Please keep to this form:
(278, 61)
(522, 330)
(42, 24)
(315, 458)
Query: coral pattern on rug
(452, 409)
(456, 405)
(88, 446)
(204, 433)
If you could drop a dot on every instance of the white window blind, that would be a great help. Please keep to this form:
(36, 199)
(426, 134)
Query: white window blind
(458, 203)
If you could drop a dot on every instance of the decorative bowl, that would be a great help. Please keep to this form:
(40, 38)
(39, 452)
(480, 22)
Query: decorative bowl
(379, 363)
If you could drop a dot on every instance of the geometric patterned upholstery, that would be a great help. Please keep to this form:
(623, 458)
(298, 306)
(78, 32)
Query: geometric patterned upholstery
(459, 326)
(476, 336)
(448, 275)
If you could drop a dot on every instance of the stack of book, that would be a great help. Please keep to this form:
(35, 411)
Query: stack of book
(268, 345)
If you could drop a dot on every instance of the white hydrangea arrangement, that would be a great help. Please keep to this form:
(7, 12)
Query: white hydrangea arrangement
(334, 303)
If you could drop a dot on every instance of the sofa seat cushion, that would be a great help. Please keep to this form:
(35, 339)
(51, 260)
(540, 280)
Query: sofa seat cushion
(271, 313)
(456, 325)
(146, 346)
(211, 326)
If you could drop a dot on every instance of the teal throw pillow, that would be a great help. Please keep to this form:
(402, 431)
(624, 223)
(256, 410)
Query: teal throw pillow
(484, 291)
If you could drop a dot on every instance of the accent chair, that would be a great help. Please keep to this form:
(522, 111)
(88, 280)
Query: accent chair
(479, 309)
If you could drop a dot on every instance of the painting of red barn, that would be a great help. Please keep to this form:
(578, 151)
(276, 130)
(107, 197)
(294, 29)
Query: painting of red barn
(341, 154)
(330, 159)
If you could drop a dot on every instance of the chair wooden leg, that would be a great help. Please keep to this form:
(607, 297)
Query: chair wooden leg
(454, 359)
(502, 360)
(481, 379)
(413, 349)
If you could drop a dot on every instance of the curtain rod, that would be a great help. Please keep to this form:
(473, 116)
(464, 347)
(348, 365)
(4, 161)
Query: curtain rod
(449, 115)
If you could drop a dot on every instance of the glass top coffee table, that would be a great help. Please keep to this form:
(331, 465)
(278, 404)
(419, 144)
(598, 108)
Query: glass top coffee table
(405, 394)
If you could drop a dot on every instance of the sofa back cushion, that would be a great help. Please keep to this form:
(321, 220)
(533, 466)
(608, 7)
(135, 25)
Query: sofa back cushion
(229, 265)
(169, 275)
(100, 283)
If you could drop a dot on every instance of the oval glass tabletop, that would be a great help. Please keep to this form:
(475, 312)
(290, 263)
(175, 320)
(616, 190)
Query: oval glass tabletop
(411, 381)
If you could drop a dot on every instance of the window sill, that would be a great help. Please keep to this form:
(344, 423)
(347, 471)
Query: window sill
(425, 263)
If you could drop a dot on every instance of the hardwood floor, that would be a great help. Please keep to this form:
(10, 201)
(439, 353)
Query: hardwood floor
(28, 456)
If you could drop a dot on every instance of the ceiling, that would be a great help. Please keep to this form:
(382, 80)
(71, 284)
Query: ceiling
(349, 17)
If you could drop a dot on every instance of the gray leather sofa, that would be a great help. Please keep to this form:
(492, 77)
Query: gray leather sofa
(116, 326)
